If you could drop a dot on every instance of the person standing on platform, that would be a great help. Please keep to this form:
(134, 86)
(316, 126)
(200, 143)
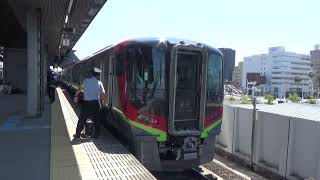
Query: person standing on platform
(94, 97)
(51, 85)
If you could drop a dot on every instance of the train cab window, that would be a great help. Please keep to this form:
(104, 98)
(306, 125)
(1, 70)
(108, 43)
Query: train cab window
(186, 71)
(146, 74)
(214, 79)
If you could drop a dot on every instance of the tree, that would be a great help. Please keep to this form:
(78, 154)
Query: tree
(244, 100)
(294, 98)
(312, 100)
(269, 98)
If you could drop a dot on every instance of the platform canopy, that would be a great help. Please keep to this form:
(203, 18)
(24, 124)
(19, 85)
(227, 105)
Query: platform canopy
(58, 17)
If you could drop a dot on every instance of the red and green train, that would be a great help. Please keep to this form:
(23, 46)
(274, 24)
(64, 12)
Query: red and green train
(165, 97)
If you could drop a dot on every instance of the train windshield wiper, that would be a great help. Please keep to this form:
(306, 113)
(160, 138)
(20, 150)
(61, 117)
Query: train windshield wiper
(155, 84)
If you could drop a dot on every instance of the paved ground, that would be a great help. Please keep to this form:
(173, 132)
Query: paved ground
(12, 105)
(24, 142)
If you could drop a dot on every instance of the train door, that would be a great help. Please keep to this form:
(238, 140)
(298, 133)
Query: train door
(111, 76)
(104, 78)
(187, 89)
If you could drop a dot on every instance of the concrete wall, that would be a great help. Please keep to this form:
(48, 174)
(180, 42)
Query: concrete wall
(225, 139)
(243, 132)
(271, 142)
(16, 68)
(287, 146)
(236, 131)
(304, 149)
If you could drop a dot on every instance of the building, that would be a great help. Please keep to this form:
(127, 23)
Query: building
(240, 66)
(256, 84)
(254, 64)
(315, 61)
(285, 72)
(257, 78)
(236, 77)
(228, 63)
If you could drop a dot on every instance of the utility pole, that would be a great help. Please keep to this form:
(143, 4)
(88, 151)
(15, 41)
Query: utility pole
(311, 75)
(254, 103)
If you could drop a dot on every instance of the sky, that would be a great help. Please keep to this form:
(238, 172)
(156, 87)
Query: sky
(247, 26)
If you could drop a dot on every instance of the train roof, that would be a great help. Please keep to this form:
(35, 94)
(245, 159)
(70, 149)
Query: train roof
(154, 41)
(170, 40)
(150, 41)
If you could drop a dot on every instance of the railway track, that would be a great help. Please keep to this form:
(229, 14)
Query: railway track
(214, 170)
(194, 174)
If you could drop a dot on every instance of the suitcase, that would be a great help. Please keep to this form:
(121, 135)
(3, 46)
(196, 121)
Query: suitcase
(89, 128)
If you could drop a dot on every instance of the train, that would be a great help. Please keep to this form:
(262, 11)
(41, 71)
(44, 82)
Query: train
(164, 98)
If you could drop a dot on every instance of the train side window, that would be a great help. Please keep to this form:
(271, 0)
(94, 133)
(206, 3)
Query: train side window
(138, 74)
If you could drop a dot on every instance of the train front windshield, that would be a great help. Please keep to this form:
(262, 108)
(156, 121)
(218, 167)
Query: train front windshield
(149, 80)
(146, 74)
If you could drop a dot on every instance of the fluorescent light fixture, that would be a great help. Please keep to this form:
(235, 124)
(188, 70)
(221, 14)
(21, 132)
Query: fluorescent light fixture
(70, 5)
(67, 19)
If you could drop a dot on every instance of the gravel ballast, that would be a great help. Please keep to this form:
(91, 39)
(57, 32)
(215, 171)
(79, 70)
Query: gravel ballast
(222, 171)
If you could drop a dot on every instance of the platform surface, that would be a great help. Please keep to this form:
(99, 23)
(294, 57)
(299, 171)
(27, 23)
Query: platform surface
(103, 158)
(24, 141)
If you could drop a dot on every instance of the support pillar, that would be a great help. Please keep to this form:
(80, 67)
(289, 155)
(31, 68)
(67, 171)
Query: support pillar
(33, 65)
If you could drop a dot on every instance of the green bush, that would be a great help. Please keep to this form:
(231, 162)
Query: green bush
(312, 100)
(244, 100)
(294, 98)
(232, 99)
(269, 98)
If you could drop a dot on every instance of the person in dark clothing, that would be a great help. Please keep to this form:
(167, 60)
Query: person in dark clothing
(51, 85)
(94, 96)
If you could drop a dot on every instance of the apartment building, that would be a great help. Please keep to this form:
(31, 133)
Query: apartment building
(315, 61)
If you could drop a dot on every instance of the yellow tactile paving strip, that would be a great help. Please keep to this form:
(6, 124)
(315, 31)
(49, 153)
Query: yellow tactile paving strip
(100, 159)
(68, 161)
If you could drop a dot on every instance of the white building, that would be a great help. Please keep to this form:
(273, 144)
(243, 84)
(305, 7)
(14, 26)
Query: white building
(280, 69)
(254, 64)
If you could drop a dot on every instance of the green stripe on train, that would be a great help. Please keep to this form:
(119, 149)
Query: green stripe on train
(162, 136)
(206, 131)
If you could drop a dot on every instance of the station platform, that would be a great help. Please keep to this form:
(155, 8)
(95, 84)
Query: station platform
(24, 141)
(40, 148)
(102, 158)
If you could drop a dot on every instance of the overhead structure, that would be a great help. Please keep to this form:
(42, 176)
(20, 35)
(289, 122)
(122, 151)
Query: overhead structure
(36, 34)
(61, 21)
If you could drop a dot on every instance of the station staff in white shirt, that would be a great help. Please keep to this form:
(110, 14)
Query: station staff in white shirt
(94, 94)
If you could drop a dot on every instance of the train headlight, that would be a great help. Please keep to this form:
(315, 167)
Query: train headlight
(155, 120)
(147, 118)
